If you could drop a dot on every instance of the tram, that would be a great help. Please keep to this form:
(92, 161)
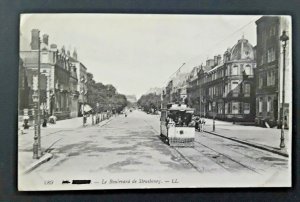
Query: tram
(176, 126)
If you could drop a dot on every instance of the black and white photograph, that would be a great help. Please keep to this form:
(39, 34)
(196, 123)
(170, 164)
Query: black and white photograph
(135, 101)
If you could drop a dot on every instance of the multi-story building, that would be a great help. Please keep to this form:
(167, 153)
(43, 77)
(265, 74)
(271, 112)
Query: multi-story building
(269, 70)
(62, 90)
(81, 72)
(73, 88)
(56, 71)
(23, 100)
(227, 89)
(196, 90)
(193, 90)
(29, 57)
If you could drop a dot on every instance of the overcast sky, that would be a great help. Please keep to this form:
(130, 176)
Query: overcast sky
(138, 52)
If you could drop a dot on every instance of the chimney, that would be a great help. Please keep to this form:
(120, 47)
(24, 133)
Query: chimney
(219, 58)
(35, 35)
(210, 62)
(215, 60)
(46, 39)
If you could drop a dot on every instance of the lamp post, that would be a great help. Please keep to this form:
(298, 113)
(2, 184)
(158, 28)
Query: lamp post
(36, 99)
(284, 38)
(214, 116)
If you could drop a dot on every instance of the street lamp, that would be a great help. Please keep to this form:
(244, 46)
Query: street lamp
(214, 116)
(283, 38)
(36, 99)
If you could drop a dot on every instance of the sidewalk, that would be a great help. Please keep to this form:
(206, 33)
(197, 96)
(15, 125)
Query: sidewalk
(268, 137)
(26, 162)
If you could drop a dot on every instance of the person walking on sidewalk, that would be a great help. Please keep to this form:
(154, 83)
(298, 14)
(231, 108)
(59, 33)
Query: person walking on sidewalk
(84, 118)
(202, 123)
(197, 123)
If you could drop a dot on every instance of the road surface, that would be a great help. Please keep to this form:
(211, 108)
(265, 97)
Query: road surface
(132, 144)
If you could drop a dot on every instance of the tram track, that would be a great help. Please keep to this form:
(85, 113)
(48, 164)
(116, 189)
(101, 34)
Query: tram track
(183, 156)
(227, 163)
(178, 152)
(247, 155)
(221, 159)
(219, 154)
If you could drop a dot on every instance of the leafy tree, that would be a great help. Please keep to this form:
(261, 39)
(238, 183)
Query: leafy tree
(150, 102)
(106, 95)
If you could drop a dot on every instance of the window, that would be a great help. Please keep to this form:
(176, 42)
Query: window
(235, 88)
(260, 81)
(260, 105)
(220, 108)
(234, 85)
(271, 55)
(235, 107)
(271, 78)
(226, 90)
(269, 104)
(247, 70)
(247, 89)
(44, 57)
(246, 108)
(262, 59)
(209, 106)
(226, 108)
(234, 70)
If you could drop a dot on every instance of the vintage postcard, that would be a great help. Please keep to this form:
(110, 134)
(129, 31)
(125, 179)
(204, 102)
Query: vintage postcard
(130, 101)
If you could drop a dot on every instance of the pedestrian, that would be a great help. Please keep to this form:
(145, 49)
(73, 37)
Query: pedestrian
(197, 124)
(202, 123)
(84, 118)
(26, 122)
(45, 117)
(179, 121)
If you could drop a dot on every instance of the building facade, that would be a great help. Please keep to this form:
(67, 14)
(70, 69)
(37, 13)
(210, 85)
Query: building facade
(193, 90)
(269, 71)
(225, 89)
(81, 73)
(58, 81)
(24, 89)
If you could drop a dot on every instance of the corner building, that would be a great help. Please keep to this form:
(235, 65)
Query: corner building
(227, 90)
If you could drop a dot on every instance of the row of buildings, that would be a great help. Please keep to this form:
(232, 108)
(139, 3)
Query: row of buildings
(245, 83)
(63, 78)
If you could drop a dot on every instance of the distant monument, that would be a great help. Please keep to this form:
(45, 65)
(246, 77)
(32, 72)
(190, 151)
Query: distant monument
(131, 98)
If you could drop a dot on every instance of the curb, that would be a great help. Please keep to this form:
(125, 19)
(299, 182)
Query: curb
(46, 157)
(259, 146)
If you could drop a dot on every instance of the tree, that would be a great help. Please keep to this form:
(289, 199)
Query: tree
(150, 102)
(106, 95)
